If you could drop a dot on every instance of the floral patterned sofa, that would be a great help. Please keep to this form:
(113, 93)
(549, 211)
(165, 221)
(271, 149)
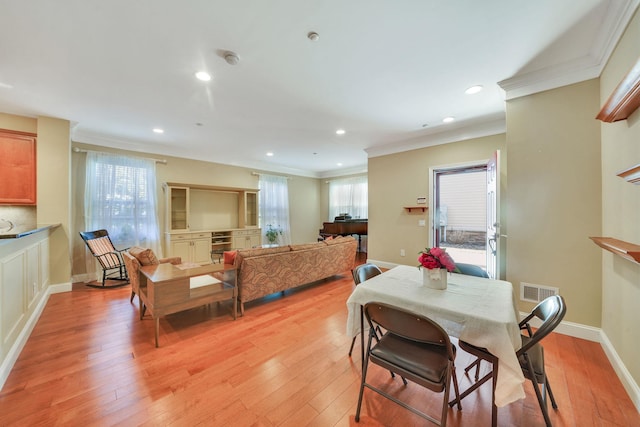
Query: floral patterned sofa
(264, 271)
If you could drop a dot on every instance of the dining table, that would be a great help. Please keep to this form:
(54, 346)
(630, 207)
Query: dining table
(479, 311)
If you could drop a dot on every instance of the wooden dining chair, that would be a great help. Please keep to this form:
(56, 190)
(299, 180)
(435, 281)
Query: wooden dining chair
(414, 347)
(550, 312)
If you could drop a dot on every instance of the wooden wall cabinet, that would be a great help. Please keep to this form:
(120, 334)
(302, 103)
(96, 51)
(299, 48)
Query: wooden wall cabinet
(17, 168)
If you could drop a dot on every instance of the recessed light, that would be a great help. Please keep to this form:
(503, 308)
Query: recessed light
(203, 75)
(340, 132)
(448, 119)
(158, 130)
(473, 89)
(338, 164)
(425, 125)
(269, 154)
(313, 36)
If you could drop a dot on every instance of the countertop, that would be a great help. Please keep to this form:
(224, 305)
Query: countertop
(22, 231)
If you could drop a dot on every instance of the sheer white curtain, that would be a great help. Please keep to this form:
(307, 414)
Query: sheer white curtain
(120, 196)
(274, 206)
(349, 195)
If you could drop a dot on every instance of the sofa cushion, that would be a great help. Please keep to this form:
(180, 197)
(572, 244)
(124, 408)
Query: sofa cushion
(144, 256)
(338, 240)
(229, 257)
(247, 253)
(306, 246)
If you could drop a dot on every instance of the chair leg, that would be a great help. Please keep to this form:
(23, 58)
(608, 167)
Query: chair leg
(493, 376)
(353, 341)
(456, 390)
(548, 387)
(542, 403)
(475, 363)
(541, 400)
(365, 364)
(132, 295)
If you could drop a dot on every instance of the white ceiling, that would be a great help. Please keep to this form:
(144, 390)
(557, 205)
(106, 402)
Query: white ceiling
(381, 70)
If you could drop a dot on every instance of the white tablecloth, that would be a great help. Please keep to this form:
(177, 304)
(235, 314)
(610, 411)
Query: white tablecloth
(479, 311)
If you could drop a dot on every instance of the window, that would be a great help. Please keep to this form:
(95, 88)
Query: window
(349, 196)
(120, 197)
(274, 207)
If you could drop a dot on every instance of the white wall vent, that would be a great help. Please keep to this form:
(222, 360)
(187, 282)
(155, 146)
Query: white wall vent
(536, 293)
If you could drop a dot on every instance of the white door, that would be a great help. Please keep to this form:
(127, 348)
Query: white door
(493, 215)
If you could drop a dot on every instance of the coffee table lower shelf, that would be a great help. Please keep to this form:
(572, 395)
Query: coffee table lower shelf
(166, 289)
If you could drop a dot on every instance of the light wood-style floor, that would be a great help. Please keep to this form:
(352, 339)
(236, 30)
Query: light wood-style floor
(91, 362)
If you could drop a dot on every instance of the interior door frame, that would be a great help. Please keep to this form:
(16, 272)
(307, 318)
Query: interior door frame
(438, 169)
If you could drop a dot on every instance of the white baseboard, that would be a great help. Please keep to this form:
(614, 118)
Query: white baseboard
(623, 373)
(21, 341)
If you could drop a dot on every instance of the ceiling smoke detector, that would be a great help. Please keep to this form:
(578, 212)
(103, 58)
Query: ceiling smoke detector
(313, 36)
(231, 58)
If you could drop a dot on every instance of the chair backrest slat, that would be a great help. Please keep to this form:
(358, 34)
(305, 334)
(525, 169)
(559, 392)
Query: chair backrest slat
(551, 311)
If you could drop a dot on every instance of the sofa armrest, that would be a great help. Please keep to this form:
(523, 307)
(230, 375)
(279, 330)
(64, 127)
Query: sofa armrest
(171, 260)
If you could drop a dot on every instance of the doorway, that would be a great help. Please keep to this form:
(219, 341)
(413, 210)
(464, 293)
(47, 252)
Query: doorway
(460, 201)
(466, 215)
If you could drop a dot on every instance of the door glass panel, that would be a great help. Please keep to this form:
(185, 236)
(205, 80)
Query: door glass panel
(461, 209)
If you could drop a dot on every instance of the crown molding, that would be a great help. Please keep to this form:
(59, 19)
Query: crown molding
(100, 140)
(476, 130)
(587, 67)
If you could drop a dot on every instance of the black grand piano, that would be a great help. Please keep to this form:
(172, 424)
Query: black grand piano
(343, 225)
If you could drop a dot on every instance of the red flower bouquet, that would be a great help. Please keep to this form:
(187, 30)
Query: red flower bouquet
(432, 258)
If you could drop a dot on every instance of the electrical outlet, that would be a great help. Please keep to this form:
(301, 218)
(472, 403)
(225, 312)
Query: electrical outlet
(402, 252)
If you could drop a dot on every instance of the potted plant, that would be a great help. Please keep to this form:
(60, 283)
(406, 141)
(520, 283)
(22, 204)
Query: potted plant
(272, 234)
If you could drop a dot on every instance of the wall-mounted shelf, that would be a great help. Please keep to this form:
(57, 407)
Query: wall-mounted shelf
(619, 247)
(624, 100)
(417, 208)
(631, 175)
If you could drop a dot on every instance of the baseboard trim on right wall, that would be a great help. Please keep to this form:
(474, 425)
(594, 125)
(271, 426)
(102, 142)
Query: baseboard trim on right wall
(621, 370)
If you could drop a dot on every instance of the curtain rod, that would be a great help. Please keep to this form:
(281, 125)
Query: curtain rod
(258, 174)
(80, 150)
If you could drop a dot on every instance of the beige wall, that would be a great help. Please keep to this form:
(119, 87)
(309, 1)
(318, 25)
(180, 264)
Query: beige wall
(304, 198)
(554, 196)
(621, 211)
(53, 183)
(397, 180)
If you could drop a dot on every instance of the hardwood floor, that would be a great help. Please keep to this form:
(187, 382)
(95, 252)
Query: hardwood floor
(91, 362)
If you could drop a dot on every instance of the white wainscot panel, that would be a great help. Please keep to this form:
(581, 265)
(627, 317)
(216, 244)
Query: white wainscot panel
(12, 301)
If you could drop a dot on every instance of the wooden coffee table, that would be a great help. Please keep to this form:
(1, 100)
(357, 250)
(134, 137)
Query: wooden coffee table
(167, 289)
